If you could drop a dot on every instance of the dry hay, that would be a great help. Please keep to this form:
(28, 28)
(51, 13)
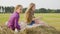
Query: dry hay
(33, 30)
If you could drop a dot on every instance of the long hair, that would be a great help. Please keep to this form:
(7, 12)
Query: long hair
(28, 13)
(17, 6)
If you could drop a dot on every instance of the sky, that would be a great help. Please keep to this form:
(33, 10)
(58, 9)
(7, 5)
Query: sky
(48, 4)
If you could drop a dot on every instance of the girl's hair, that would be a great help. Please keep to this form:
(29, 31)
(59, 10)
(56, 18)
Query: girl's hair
(17, 6)
(28, 13)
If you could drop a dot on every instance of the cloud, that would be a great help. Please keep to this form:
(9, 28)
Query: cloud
(52, 4)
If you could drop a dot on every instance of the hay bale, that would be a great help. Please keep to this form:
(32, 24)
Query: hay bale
(5, 30)
(41, 30)
(33, 30)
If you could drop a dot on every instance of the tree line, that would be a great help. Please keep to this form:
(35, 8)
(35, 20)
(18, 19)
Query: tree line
(40, 10)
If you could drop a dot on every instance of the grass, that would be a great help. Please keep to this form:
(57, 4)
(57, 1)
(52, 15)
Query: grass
(53, 19)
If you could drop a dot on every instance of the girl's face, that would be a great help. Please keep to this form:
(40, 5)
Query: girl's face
(20, 9)
(33, 8)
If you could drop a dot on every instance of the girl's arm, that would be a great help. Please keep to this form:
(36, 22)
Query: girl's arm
(17, 26)
(37, 18)
(16, 22)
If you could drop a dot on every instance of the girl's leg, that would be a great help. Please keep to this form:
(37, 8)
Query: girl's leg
(37, 21)
(18, 27)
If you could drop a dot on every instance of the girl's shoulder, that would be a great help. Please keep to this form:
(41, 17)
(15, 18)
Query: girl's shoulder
(14, 15)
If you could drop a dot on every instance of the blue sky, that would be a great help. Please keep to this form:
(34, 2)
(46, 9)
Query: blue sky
(51, 4)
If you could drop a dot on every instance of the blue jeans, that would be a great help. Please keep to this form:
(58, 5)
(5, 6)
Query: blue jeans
(33, 22)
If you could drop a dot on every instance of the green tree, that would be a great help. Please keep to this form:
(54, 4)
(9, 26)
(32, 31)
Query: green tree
(37, 11)
(42, 10)
(24, 9)
(57, 11)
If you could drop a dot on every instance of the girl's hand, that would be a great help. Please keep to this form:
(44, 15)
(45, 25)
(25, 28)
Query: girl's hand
(40, 17)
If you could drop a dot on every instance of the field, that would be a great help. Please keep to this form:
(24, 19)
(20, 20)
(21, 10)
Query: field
(53, 19)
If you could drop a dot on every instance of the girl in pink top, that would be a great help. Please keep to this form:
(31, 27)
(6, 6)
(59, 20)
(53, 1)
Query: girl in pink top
(14, 18)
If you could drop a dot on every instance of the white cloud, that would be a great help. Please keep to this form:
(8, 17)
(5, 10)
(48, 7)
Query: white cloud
(53, 4)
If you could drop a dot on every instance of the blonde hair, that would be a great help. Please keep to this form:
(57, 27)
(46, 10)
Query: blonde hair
(17, 6)
(28, 13)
